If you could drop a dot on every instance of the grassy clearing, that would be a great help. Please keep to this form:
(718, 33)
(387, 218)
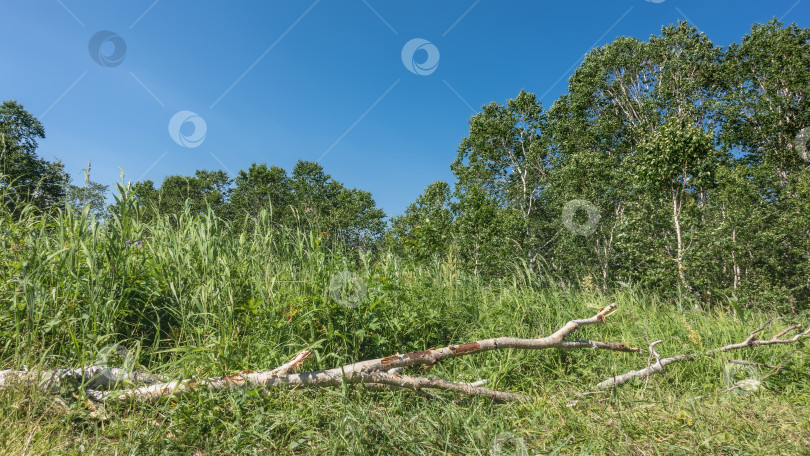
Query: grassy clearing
(191, 296)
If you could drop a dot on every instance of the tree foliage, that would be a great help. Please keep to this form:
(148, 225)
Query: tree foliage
(690, 153)
(26, 178)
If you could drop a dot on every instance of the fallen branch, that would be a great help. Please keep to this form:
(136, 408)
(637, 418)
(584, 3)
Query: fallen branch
(658, 367)
(379, 373)
(752, 340)
(91, 377)
(653, 353)
(418, 383)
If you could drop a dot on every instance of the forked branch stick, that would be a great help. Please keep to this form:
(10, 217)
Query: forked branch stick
(750, 341)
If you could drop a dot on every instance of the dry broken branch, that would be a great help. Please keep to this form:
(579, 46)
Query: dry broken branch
(419, 383)
(379, 373)
(658, 367)
(293, 364)
(752, 340)
(92, 377)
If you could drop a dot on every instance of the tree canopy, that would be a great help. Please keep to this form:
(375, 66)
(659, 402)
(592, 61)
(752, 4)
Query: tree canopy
(687, 158)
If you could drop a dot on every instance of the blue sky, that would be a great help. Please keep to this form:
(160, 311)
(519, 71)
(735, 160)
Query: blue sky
(323, 80)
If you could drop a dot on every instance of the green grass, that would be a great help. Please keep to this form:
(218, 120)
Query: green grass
(196, 297)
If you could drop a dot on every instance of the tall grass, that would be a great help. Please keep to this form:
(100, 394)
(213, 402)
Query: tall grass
(191, 286)
(191, 295)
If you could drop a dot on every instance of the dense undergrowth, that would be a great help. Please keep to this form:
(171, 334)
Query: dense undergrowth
(189, 295)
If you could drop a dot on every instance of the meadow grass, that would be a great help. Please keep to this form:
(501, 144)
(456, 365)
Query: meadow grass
(191, 295)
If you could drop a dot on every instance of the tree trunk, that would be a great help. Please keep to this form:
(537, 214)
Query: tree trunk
(676, 210)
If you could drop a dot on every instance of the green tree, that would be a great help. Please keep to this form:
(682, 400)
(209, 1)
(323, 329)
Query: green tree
(323, 204)
(504, 159)
(675, 167)
(358, 222)
(484, 231)
(622, 94)
(768, 98)
(26, 178)
(765, 107)
(505, 153)
(203, 190)
(425, 229)
(261, 188)
(315, 196)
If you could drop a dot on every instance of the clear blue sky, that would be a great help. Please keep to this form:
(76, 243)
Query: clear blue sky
(320, 80)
